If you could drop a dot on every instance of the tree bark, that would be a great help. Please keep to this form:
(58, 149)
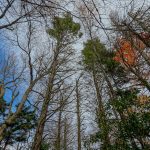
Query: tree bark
(12, 118)
(58, 141)
(65, 134)
(78, 115)
(2, 91)
(41, 123)
(102, 121)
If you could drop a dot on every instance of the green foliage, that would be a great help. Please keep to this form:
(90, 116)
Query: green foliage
(96, 57)
(96, 54)
(125, 99)
(93, 53)
(2, 105)
(135, 126)
(135, 123)
(18, 130)
(64, 28)
(120, 145)
(44, 146)
(132, 124)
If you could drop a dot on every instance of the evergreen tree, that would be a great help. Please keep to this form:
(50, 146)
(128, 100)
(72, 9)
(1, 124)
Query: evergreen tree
(18, 130)
(94, 57)
(135, 120)
(65, 31)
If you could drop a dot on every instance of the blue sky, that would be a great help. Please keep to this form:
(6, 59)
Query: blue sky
(3, 52)
(5, 48)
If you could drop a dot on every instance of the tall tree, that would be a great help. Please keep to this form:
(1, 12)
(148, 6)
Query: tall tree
(93, 49)
(18, 131)
(64, 31)
(78, 106)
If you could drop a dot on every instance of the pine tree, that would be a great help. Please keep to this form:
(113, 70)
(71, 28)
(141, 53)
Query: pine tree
(18, 130)
(65, 31)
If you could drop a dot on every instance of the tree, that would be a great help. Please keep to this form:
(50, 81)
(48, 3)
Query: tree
(94, 56)
(18, 130)
(100, 62)
(135, 34)
(64, 31)
(78, 114)
(13, 77)
(25, 11)
(39, 82)
(133, 125)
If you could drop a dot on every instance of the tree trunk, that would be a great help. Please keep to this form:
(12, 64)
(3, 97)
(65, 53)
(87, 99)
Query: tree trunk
(2, 91)
(41, 123)
(6, 143)
(58, 140)
(65, 134)
(141, 79)
(78, 115)
(12, 118)
(102, 121)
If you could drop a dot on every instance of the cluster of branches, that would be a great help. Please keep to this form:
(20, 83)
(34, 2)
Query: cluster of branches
(48, 99)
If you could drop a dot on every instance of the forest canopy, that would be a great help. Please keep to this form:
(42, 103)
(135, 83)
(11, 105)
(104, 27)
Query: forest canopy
(74, 75)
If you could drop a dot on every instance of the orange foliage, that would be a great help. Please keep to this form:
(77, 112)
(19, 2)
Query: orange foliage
(143, 99)
(126, 54)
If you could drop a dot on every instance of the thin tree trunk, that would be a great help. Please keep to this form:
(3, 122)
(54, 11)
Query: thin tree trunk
(65, 134)
(141, 79)
(12, 118)
(78, 115)
(141, 142)
(58, 141)
(2, 91)
(41, 123)
(101, 114)
(5, 146)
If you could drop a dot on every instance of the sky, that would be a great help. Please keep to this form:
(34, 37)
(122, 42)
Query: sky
(5, 46)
